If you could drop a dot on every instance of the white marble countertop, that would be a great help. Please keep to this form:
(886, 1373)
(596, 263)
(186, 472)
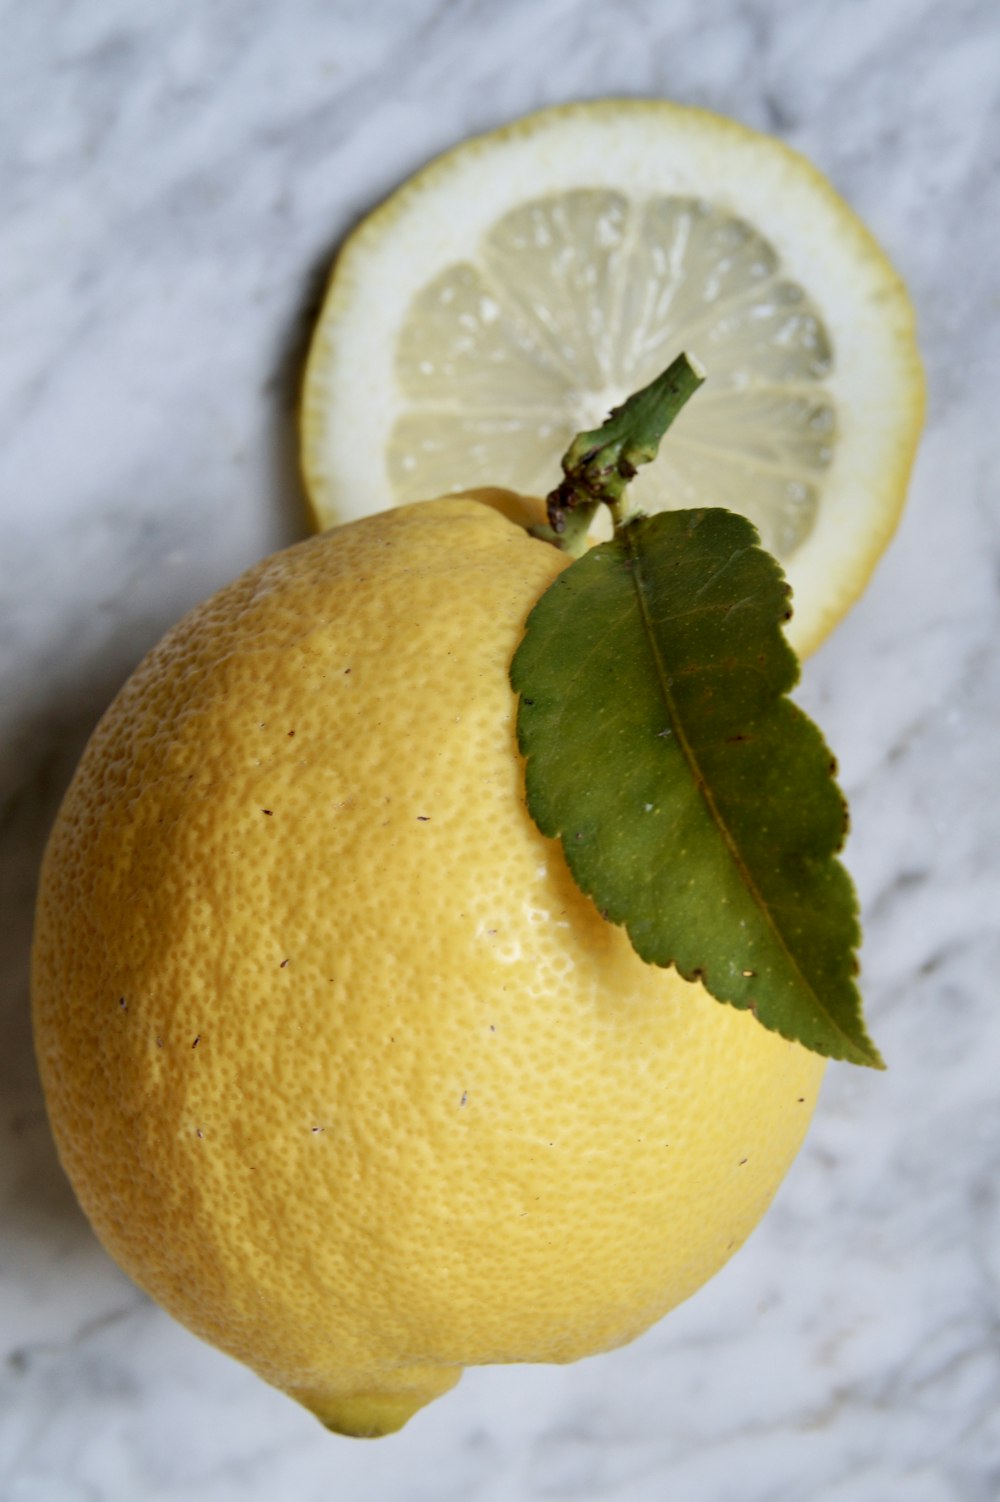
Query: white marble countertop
(173, 180)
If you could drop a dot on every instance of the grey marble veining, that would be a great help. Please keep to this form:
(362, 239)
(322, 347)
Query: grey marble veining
(173, 182)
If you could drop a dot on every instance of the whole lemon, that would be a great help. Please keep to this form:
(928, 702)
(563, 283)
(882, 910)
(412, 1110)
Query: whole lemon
(345, 1070)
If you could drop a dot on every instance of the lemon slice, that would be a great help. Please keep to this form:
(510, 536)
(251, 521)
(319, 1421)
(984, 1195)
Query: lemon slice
(520, 286)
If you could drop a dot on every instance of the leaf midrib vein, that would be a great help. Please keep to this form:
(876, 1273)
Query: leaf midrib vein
(701, 783)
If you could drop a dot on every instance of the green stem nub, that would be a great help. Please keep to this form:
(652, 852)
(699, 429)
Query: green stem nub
(599, 465)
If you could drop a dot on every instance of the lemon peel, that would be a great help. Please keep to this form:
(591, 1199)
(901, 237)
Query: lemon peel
(345, 1070)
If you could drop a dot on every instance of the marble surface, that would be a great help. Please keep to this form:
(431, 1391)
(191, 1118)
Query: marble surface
(173, 181)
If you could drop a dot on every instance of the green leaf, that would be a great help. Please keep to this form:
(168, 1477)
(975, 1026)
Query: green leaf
(694, 801)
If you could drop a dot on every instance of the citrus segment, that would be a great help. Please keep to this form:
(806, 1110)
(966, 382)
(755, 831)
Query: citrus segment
(522, 285)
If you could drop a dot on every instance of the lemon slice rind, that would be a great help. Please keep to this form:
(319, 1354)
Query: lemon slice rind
(352, 397)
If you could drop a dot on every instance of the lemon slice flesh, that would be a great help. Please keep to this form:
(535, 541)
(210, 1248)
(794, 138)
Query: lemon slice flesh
(523, 284)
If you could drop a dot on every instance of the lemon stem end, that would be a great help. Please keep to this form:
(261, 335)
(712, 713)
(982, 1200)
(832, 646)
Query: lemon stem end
(598, 465)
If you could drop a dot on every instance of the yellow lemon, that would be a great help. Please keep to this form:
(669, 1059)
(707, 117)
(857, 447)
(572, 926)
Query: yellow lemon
(345, 1070)
(515, 290)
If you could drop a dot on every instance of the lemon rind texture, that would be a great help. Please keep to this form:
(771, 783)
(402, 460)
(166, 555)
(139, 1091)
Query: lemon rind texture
(344, 1069)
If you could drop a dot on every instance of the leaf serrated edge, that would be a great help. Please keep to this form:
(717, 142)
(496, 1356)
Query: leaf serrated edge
(855, 1052)
(861, 1051)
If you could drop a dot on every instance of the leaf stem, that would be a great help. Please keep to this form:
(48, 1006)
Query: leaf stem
(598, 465)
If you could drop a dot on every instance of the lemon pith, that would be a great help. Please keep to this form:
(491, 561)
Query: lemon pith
(345, 1070)
(512, 291)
